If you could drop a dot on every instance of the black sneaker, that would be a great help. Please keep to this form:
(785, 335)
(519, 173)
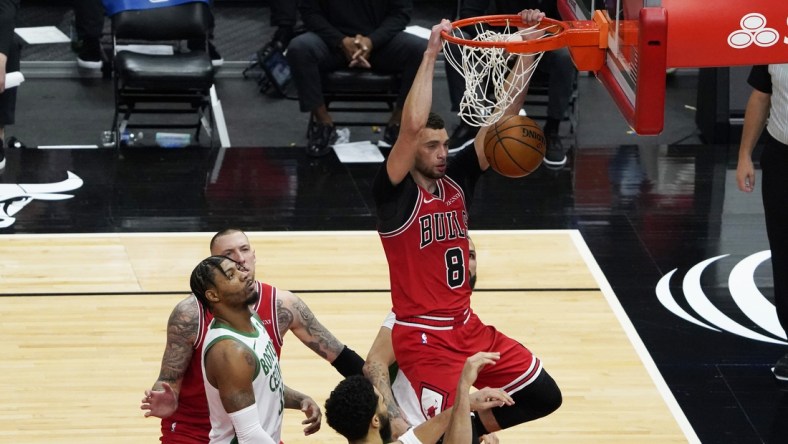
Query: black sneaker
(462, 136)
(321, 137)
(780, 369)
(2, 156)
(555, 154)
(89, 56)
(390, 136)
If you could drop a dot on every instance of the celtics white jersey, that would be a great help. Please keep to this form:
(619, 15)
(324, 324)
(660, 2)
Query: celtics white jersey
(267, 382)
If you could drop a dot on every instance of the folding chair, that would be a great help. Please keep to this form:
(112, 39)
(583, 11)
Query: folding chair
(161, 83)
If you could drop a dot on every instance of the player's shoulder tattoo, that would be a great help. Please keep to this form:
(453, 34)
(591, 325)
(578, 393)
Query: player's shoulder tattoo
(284, 313)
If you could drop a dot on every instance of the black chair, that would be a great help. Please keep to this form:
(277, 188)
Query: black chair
(360, 91)
(177, 83)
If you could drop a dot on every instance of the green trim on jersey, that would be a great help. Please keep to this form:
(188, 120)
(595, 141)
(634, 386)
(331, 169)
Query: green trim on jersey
(215, 324)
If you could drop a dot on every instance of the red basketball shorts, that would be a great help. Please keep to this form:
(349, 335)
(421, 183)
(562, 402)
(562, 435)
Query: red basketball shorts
(432, 352)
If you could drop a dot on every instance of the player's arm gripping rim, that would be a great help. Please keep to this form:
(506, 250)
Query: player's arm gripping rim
(530, 17)
(415, 110)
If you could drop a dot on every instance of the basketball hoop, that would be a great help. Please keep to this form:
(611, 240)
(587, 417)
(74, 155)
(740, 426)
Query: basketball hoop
(488, 60)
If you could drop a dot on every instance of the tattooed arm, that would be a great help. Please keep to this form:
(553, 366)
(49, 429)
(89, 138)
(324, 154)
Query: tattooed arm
(162, 400)
(376, 369)
(294, 315)
(300, 401)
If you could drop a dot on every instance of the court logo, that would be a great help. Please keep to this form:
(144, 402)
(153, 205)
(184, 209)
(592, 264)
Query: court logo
(753, 30)
(743, 292)
(14, 196)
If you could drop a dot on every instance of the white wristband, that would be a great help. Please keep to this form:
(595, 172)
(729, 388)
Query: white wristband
(246, 423)
(409, 437)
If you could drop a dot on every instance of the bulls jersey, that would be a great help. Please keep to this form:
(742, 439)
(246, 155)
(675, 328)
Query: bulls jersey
(424, 236)
(267, 382)
(190, 424)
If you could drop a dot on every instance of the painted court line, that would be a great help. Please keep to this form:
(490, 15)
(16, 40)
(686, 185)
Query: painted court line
(634, 338)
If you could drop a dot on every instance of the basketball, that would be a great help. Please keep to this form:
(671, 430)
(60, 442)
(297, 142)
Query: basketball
(514, 146)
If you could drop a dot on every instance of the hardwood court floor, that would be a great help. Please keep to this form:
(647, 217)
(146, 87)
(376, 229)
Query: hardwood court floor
(84, 318)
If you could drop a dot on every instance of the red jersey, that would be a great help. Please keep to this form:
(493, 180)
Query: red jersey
(191, 423)
(425, 239)
(428, 256)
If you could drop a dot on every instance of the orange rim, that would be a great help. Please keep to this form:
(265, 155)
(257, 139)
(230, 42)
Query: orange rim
(543, 44)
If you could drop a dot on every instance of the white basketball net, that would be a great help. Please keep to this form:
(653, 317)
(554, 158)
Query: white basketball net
(488, 90)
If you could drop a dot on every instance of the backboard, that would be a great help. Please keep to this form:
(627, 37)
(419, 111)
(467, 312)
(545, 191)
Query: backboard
(647, 36)
(634, 68)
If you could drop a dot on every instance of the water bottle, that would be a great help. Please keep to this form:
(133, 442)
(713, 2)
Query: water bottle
(173, 140)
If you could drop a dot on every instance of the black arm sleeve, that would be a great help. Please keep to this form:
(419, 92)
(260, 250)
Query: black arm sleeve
(394, 202)
(349, 363)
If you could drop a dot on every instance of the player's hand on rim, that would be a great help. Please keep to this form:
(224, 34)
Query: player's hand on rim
(434, 44)
(532, 17)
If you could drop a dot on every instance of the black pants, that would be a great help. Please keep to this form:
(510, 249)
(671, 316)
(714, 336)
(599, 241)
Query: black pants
(309, 57)
(774, 188)
(8, 97)
(89, 19)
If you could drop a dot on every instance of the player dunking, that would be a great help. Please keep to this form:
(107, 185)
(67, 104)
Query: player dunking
(422, 213)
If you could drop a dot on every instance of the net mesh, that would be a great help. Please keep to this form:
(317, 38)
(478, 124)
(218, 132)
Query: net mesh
(489, 89)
